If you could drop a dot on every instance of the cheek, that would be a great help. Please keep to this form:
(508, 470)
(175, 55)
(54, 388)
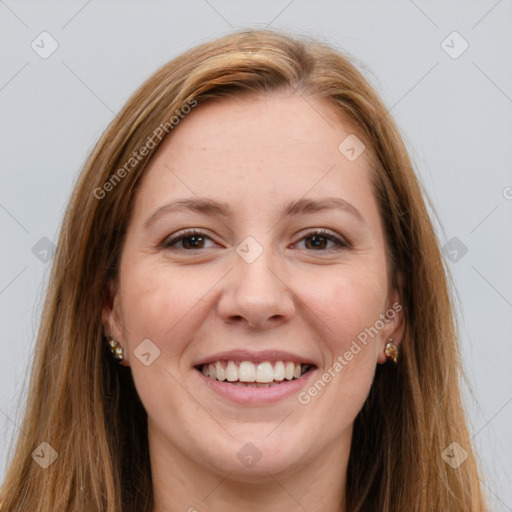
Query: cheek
(347, 302)
(159, 304)
(349, 305)
(164, 303)
(345, 307)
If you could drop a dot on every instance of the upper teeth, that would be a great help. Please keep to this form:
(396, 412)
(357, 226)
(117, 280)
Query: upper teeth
(247, 371)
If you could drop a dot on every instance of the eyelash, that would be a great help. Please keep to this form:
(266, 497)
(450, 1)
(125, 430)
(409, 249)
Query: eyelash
(342, 245)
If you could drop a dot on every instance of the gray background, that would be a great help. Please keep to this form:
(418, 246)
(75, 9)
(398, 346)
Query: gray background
(455, 114)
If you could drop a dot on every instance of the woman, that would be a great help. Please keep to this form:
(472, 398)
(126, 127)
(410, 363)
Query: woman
(250, 312)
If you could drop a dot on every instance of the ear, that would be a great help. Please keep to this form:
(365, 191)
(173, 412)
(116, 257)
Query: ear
(395, 325)
(112, 318)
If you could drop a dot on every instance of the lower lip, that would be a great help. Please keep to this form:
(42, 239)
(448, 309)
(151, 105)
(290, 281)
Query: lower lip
(248, 395)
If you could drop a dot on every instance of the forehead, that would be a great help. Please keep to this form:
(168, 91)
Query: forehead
(256, 150)
(247, 127)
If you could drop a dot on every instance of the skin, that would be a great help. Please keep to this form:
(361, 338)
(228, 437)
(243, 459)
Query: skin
(256, 154)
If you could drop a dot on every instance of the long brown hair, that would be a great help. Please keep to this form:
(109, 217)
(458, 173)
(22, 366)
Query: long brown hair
(85, 405)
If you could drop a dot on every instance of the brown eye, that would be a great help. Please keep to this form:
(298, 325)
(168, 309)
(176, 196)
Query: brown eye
(319, 240)
(186, 241)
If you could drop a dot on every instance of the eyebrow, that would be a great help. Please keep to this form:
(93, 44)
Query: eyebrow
(212, 208)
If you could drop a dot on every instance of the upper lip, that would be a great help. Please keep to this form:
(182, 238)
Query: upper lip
(255, 357)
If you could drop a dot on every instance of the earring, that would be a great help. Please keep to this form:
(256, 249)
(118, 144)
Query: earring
(116, 350)
(391, 351)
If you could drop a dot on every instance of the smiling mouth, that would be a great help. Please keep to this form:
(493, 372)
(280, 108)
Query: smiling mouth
(254, 375)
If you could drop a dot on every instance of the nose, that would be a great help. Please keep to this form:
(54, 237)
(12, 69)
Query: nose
(256, 295)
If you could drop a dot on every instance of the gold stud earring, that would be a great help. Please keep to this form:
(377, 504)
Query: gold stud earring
(391, 351)
(116, 350)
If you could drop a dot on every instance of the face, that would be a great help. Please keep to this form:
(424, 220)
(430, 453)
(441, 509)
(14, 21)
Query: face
(265, 278)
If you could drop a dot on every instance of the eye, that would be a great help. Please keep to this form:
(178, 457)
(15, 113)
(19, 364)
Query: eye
(192, 239)
(319, 238)
(316, 240)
